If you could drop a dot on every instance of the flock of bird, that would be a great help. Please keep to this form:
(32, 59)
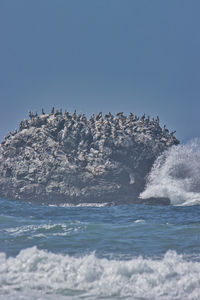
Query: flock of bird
(108, 122)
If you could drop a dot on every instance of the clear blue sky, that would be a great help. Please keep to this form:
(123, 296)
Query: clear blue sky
(101, 55)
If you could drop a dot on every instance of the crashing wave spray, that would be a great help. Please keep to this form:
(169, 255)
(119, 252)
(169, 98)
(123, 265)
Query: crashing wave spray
(176, 175)
(65, 277)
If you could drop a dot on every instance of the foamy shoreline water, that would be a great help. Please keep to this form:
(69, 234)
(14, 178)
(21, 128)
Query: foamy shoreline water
(108, 252)
(172, 277)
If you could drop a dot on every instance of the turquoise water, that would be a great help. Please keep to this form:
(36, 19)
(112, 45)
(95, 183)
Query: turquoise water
(105, 252)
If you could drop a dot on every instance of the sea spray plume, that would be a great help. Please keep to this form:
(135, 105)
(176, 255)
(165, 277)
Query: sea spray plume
(59, 157)
(176, 175)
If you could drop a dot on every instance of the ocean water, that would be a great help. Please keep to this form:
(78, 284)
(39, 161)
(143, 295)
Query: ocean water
(108, 252)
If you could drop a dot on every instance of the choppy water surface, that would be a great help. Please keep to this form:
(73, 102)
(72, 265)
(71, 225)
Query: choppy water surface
(90, 252)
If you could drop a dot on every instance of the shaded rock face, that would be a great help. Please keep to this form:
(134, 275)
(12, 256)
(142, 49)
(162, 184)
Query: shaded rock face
(67, 158)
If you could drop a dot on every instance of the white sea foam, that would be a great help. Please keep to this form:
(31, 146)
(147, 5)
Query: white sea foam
(43, 229)
(176, 175)
(81, 205)
(37, 274)
(139, 221)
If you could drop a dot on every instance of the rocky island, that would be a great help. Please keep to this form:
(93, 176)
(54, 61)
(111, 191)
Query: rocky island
(67, 158)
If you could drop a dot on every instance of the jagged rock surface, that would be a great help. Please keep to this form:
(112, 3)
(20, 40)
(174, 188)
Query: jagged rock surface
(66, 158)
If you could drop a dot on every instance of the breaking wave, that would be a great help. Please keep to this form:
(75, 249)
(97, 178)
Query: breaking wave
(176, 175)
(38, 274)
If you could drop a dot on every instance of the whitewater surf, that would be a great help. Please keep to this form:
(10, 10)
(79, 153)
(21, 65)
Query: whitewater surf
(176, 175)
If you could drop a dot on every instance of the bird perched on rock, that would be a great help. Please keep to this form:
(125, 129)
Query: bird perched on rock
(173, 132)
(99, 116)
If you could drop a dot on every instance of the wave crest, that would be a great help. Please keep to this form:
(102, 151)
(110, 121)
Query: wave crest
(35, 270)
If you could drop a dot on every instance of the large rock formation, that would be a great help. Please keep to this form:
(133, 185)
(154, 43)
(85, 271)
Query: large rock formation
(59, 157)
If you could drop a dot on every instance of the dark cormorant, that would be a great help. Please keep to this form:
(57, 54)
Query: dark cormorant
(57, 112)
(99, 116)
(173, 132)
(74, 114)
(119, 114)
(30, 114)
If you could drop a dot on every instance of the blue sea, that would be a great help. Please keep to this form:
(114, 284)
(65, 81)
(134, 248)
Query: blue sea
(96, 251)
